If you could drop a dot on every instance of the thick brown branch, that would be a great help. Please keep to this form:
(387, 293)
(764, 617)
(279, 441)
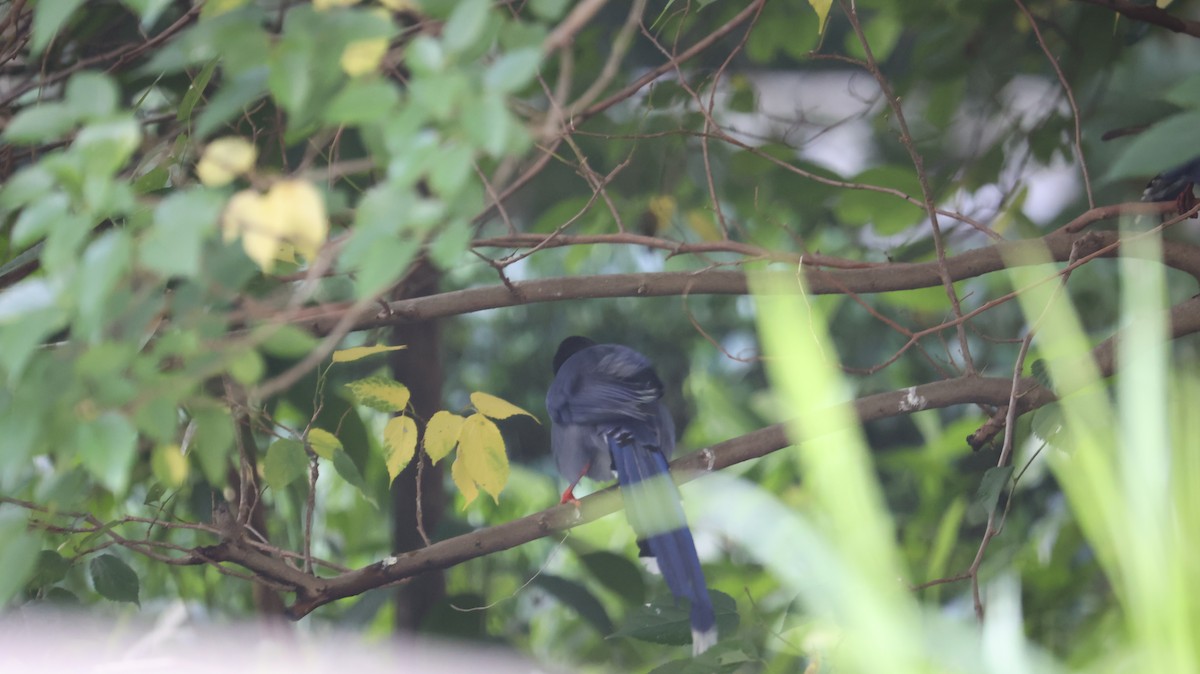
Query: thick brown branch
(881, 278)
(1150, 14)
(313, 593)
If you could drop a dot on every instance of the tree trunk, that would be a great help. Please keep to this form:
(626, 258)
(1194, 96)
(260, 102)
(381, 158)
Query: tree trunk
(418, 367)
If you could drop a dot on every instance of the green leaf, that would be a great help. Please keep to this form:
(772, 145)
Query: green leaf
(64, 239)
(888, 213)
(1186, 94)
(346, 467)
(1166, 144)
(114, 580)
(28, 296)
(22, 418)
(40, 124)
(287, 341)
(63, 597)
(425, 56)
(153, 180)
(548, 10)
(105, 146)
(147, 10)
(246, 366)
(451, 169)
(385, 259)
(18, 554)
(465, 25)
(22, 302)
(727, 657)
(50, 568)
(993, 483)
(212, 441)
(236, 37)
(107, 448)
(48, 18)
(487, 124)
(183, 221)
(443, 97)
(577, 597)
(231, 99)
(513, 71)
(91, 95)
(667, 621)
(881, 30)
(104, 263)
(1047, 423)
(290, 80)
(285, 463)
(195, 91)
(36, 220)
(618, 574)
(362, 100)
(155, 493)
(26, 186)
(452, 241)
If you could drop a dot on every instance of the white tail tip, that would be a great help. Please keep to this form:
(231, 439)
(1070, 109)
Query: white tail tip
(702, 641)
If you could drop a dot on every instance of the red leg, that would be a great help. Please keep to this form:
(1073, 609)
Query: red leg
(1186, 200)
(568, 496)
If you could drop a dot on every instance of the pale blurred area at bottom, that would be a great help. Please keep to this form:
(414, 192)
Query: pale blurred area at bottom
(48, 642)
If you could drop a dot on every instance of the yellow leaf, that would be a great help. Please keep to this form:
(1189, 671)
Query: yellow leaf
(481, 448)
(821, 7)
(357, 352)
(214, 8)
(363, 56)
(496, 408)
(247, 216)
(702, 223)
(399, 444)
(225, 159)
(169, 465)
(662, 207)
(301, 213)
(441, 434)
(322, 5)
(286, 253)
(464, 483)
(323, 443)
(380, 392)
(401, 5)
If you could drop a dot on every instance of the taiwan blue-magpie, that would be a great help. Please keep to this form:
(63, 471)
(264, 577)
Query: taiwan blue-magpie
(608, 416)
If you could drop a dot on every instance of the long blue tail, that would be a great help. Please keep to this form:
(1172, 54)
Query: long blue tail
(654, 511)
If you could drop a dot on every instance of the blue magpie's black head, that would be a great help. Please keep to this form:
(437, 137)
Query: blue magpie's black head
(569, 347)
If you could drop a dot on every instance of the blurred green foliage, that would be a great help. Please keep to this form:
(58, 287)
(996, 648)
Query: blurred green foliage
(135, 338)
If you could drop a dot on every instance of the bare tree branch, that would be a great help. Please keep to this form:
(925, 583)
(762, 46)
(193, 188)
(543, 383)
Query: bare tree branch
(1150, 14)
(875, 279)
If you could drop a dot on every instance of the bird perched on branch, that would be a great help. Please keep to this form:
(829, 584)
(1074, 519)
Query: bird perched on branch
(608, 416)
(1175, 184)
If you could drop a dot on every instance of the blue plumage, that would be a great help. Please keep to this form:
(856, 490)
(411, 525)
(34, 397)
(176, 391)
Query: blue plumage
(606, 407)
(1171, 183)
